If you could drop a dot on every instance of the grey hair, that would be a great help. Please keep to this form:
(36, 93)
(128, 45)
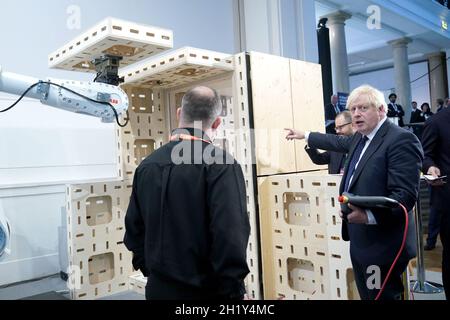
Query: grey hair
(374, 96)
(201, 104)
(347, 115)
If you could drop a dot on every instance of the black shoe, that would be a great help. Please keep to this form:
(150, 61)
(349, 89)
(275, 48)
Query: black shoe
(429, 247)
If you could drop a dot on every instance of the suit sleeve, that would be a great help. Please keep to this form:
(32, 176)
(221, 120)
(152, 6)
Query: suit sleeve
(318, 157)
(430, 137)
(401, 112)
(330, 142)
(404, 158)
(391, 112)
(134, 230)
(229, 227)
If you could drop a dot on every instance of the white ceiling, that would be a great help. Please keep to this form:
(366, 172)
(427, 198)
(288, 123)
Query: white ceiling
(368, 49)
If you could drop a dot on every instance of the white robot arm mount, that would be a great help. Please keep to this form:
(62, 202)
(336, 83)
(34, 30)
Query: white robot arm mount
(102, 100)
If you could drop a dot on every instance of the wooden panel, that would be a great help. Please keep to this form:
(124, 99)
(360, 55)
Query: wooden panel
(145, 132)
(272, 107)
(134, 42)
(244, 149)
(99, 262)
(179, 67)
(303, 254)
(307, 102)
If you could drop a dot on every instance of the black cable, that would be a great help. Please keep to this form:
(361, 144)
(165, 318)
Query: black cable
(73, 92)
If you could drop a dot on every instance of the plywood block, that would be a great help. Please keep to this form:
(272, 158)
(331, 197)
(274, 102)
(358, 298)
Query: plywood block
(272, 109)
(177, 68)
(145, 132)
(134, 42)
(307, 104)
(301, 237)
(137, 283)
(100, 275)
(99, 261)
(244, 153)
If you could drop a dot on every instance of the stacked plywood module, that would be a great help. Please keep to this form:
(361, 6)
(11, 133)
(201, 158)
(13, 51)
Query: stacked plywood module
(99, 263)
(304, 256)
(173, 74)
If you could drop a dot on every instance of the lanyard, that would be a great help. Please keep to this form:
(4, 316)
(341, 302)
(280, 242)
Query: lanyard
(188, 138)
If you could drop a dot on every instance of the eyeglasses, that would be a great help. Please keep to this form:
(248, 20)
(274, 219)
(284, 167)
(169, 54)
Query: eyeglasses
(342, 126)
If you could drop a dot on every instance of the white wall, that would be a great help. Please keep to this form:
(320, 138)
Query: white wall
(41, 148)
(384, 81)
(280, 27)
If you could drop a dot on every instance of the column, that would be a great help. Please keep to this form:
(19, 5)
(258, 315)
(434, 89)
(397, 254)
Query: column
(438, 78)
(338, 44)
(401, 73)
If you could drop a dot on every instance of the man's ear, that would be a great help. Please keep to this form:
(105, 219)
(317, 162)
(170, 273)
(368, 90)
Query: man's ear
(178, 114)
(216, 123)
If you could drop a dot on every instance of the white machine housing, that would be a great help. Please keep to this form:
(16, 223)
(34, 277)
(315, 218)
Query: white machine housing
(62, 99)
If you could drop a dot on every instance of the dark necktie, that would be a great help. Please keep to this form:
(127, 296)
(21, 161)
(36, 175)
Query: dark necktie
(354, 161)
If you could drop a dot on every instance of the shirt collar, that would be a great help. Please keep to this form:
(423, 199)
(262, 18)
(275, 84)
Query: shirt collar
(371, 135)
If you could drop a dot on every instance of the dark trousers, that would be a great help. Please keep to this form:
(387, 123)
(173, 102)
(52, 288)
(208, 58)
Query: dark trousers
(161, 287)
(445, 238)
(434, 225)
(394, 287)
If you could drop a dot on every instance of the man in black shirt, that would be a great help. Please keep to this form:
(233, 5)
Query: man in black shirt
(187, 223)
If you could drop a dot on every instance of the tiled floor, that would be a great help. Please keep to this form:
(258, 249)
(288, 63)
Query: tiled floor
(48, 287)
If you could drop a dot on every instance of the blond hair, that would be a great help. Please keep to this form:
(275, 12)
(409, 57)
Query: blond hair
(374, 96)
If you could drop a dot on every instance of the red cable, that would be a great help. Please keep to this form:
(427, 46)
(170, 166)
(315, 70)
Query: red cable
(398, 254)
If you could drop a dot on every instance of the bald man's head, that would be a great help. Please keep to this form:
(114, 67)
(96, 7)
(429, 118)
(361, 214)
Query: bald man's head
(200, 104)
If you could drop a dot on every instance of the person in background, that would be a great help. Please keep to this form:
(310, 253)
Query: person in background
(331, 111)
(426, 110)
(395, 110)
(416, 117)
(436, 146)
(440, 105)
(334, 160)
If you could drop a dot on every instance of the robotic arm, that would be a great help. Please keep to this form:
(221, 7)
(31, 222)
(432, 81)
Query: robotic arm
(99, 99)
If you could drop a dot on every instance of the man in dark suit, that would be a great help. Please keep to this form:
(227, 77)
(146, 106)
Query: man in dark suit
(395, 110)
(416, 118)
(436, 146)
(440, 105)
(384, 160)
(331, 111)
(334, 160)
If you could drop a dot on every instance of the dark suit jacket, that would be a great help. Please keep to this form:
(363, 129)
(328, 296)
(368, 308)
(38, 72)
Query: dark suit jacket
(400, 113)
(334, 160)
(330, 114)
(416, 116)
(436, 146)
(389, 167)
